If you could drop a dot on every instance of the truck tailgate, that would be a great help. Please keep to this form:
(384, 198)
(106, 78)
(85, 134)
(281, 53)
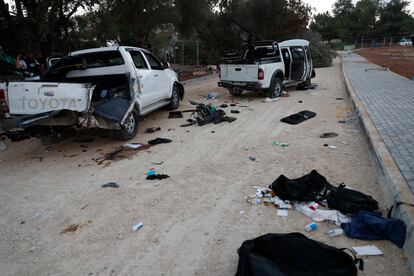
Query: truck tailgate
(239, 72)
(25, 98)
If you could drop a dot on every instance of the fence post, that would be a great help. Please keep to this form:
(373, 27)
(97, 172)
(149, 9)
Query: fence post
(362, 42)
(198, 49)
(182, 54)
(390, 42)
(385, 42)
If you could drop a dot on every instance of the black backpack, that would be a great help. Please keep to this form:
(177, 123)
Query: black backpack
(350, 201)
(293, 254)
(310, 187)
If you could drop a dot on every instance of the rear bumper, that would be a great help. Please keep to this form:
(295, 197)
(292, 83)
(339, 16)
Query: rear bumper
(237, 84)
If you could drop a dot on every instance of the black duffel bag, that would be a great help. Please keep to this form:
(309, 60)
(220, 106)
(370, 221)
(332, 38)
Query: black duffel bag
(350, 201)
(293, 254)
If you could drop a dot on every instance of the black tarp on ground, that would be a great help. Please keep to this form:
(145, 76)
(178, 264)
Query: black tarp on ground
(299, 117)
(292, 254)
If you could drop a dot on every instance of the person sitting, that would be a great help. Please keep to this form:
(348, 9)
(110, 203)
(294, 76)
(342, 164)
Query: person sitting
(29, 66)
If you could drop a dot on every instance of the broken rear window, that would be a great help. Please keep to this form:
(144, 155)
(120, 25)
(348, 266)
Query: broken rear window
(102, 59)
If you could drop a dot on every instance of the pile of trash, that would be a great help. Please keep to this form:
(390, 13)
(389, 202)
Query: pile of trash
(353, 213)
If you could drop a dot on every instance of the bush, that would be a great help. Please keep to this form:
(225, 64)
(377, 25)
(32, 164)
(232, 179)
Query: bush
(322, 55)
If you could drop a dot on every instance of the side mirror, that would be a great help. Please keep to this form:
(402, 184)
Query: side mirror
(166, 65)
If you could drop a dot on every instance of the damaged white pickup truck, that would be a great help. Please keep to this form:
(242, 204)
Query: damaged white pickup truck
(106, 88)
(267, 66)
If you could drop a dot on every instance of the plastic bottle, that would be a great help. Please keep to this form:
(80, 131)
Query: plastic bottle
(335, 232)
(313, 206)
(311, 227)
(305, 210)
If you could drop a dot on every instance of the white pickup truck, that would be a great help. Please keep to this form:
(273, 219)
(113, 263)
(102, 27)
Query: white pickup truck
(106, 88)
(268, 66)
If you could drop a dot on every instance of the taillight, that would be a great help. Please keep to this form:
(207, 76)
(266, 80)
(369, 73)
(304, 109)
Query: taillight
(3, 104)
(260, 74)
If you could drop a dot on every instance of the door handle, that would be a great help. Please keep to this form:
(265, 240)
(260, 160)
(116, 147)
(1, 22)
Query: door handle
(156, 75)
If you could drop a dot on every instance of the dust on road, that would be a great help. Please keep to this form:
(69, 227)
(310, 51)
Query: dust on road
(193, 222)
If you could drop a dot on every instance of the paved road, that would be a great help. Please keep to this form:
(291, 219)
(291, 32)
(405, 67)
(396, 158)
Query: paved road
(389, 100)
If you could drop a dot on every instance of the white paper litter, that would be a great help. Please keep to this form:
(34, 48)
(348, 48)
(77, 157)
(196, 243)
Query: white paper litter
(269, 100)
(332, 147)
(137, 226)
(282, 213)
(332, 216)
(133, 146)
(367, 250)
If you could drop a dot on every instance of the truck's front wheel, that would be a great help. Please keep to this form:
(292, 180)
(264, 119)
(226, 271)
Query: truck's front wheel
(235, 91)
(276, 87)
(130, 127)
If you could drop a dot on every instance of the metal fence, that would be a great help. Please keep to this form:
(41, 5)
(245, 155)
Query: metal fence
(185, 52)
(381, 42)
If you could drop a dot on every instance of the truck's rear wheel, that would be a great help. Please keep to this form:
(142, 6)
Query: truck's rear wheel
(130, 127)
(235, 91)
(276, 87)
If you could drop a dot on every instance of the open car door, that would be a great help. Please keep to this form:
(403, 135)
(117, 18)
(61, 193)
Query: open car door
(299, 66)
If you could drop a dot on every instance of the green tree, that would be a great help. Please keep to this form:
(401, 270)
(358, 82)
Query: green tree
(325, 25)
(395, 19)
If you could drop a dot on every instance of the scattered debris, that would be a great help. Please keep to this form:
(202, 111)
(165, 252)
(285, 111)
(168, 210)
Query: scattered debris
(242, 212)
(84, 146)
(133, 145)
(157, 162)
(188, 111)
(339, 99)
(278, 143)
(152, 129)
(175, 114)
(224, 106)
(195, 102)
(157, 177)
(252, 158)
(332, 146)
(110, 185)
(157, 141)
(235, 111)
(208, 114)
(269, 100)
(300, 101)
(137, 226)
(84, 207)
(298, 117)
(328, 135)
(367, 250)
(233, 104)
(335, 232)
(213, 95)
(311, 227)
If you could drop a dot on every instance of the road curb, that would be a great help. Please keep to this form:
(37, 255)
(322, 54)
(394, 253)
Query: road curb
(393, 183)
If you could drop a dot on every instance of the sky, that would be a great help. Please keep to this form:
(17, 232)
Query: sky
(326, 5)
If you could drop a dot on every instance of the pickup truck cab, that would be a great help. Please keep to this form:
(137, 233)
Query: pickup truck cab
(106, 88)
(268, 66)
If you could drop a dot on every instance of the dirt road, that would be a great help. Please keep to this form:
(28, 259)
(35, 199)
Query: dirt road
(193, 222)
